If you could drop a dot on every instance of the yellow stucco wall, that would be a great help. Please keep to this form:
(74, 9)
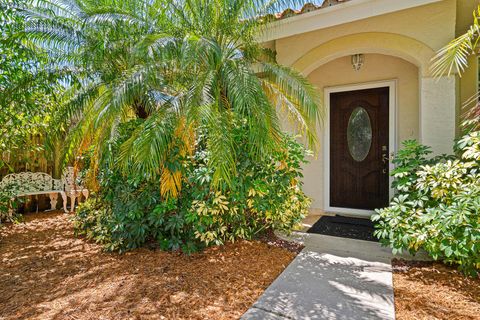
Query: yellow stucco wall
(398, 46)
(464, 14)
(433, 25)
(377, 67)
(413, 35)
(468, 82)
(467, 89)
(392, 44)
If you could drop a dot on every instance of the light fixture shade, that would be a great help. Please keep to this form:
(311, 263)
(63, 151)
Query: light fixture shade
(357, 61)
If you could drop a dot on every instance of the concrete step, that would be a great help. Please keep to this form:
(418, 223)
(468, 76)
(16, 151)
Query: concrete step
(345, 247)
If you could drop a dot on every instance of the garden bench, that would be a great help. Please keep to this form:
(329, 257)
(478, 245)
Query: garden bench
(35, 183)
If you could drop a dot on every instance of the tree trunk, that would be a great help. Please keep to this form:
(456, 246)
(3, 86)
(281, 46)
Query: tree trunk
(140, 110)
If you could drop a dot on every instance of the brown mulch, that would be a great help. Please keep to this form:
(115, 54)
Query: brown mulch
(431, 290)
(47, 273)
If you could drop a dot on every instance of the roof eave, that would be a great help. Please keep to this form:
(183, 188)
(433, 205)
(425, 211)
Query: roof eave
(335, 15)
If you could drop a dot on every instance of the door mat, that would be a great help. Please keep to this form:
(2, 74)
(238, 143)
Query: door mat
(346, 227)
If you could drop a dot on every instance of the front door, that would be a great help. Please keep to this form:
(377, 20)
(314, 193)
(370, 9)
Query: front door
(359, 129)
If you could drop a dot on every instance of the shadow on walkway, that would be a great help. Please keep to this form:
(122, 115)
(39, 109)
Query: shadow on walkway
(320, 285)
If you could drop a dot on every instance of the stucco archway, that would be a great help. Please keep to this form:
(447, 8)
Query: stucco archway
(407, 48)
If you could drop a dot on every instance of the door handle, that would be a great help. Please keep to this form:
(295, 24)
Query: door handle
(384, 154)
(386, 158)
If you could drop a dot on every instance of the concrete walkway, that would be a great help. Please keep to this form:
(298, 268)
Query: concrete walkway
(332, 278)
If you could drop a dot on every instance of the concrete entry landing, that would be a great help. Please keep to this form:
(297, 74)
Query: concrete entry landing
(332, 278)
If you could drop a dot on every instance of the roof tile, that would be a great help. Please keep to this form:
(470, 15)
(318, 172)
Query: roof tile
(308, 7)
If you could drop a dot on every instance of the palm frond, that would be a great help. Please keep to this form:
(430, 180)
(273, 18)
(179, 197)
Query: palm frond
(182, 68)
(453, 58)
(146, 150)
(301, 99)
(220, 145)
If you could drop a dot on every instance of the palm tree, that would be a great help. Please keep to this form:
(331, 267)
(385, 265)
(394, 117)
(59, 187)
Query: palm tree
(181, 66)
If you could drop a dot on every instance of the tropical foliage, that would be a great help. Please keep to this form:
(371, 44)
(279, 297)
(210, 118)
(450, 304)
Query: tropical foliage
(180, 65)
(437, 201)
(174, 107)
(27, 93)
(437, 205)
(9, 203)
(129, 210)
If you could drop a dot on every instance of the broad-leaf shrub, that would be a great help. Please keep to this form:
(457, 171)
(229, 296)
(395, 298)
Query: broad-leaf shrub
(130, 211)
(9, 203)
(437, 204)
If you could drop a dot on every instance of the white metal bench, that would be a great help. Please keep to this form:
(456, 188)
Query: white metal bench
(71, 189)
(34, 183)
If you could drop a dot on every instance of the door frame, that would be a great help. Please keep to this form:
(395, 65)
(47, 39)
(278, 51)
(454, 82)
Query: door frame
(392, 128)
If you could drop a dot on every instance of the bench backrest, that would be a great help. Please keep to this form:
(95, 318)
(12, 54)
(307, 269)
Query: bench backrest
(24, 182)
(27, 182)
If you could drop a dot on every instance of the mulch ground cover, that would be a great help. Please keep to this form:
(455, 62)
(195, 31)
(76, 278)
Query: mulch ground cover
(428, 290)
(48, 273)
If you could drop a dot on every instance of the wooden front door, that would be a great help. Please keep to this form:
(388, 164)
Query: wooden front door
(359, 129)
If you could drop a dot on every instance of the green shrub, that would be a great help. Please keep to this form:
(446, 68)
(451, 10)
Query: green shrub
(130, 211)
(265, 194)
(9, 201)
(437, 204)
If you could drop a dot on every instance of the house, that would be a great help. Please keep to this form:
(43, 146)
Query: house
(371, 59)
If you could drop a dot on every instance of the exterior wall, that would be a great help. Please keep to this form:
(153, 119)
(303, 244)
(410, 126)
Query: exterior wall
(468, 88)
(393, 44)
(433, 25)
(413, 35)
(377, 67)
(468, 83)
(464, 14)
(438, 113)
(398, 46)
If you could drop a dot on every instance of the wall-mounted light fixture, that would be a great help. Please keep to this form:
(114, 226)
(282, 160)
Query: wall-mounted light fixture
(357, 61)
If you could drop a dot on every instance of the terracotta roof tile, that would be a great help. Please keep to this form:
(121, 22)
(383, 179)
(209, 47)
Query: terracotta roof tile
(308, 7)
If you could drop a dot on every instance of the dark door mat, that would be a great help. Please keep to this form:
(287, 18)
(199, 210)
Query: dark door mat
(346, 227)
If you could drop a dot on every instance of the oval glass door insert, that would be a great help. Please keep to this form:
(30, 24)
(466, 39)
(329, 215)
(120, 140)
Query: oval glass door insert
(359, 134)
